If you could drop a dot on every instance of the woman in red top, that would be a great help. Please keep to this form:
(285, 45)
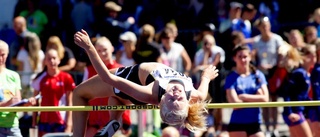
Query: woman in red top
(56, 89)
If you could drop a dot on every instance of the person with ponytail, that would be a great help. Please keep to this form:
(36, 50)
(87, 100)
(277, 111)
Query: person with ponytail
(296, 87)
(314, 114)
(245, 84)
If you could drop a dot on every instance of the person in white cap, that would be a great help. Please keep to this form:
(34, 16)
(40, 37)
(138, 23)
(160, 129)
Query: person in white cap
(146, 83)
(124, 55)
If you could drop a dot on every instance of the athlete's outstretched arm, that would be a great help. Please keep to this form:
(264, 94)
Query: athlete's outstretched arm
(141, 93)
(207, 75)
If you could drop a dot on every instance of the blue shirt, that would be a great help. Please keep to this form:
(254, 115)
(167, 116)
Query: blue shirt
(245, 85)
(296, 89)
(315, 82)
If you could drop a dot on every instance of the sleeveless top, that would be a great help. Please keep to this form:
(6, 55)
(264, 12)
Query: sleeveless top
(164, 75)
(124, 60)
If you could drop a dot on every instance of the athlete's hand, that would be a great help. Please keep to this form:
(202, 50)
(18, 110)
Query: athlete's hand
(293, 117)
(82, 39)
(211, 72)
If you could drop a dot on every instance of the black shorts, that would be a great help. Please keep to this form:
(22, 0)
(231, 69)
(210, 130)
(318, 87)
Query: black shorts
(250, 128)
(129, 73)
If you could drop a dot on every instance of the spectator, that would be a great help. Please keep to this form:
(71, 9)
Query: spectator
(20, 28)
(211, 54)
(207, 28)
(266, 51)
(174, 54)
(316, 20)
(124, 55)
(310, 35)
(56, 89)
(236, 38)
(234, 16)
(245, 84)
(315, 79)
(226, 27)
(97, 120)
(297, 65)
(67, 59)
(30, 63)
(244, 24)
(147, 50)
(82, 17)
(36, 19)
(111, 26)
(9, 94)
(295, 39)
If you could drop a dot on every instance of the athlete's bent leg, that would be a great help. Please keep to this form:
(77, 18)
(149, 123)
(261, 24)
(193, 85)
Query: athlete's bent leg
(93, 87)
(115, 118)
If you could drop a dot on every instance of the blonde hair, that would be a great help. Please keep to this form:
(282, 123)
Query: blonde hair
(33, 47)
(173, 27)
(196, 119)
(294, 58)
(103, 41)
(191, 117)
(300, 40)
(55, 42)
(4, 45)
(147, 32)
(309, 49)
(210, 38)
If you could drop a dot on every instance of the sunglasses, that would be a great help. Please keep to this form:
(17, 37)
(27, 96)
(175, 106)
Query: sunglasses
(207, 43)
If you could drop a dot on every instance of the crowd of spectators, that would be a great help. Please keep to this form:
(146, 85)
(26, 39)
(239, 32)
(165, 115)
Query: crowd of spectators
(187, 35)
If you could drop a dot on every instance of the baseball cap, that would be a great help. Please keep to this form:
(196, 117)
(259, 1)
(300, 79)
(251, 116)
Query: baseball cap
(128, 36)
(112, 6)
(236, 5)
